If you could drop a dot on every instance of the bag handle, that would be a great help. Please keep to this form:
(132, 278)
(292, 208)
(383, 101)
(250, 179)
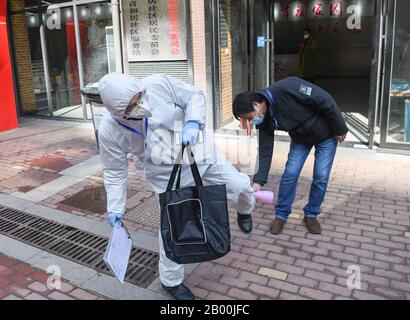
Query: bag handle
(178, 168)
(175, 170)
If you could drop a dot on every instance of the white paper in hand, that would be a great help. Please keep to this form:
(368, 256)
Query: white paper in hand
(118, 251)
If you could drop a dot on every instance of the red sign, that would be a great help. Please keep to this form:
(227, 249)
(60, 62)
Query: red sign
(8, 114)
(300, 10)
(336, 8)
(317, 9)
(173, 18)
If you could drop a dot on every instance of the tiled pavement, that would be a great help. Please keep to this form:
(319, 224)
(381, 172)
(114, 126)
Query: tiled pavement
(45, 146)
(365, 220)
(19, 281)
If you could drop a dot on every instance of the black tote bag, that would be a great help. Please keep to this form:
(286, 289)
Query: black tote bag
(194, 219)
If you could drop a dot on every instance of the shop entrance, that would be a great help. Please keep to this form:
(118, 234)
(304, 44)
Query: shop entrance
(342, 60)
(339, 56)
(59, 46)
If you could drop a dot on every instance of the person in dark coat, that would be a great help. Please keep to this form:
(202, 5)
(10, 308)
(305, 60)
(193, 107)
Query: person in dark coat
(306, 56)
(312, 118)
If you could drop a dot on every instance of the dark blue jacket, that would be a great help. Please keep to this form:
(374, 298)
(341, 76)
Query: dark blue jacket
(308, 113)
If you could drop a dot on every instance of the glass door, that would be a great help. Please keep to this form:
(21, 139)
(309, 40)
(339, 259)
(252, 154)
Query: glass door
(332, 44)
(395, 130)
(97, 43)
(232, 70)
(244, 48)
(62, 60)
(261, 43)
(51, 67)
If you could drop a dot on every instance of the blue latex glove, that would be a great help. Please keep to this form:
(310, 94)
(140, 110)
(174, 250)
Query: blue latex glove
(190, 133)
(113, 218)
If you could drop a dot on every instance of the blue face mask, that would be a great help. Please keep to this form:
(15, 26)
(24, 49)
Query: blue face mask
(257, 120)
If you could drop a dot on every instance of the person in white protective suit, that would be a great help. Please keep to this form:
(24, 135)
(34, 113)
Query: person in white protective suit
(145, 119)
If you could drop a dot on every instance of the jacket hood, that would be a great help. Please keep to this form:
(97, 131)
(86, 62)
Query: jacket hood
(117, 90)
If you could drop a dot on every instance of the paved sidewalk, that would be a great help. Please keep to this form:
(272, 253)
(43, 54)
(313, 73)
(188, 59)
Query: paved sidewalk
(365, 216)
(19, 281)
(366, 223)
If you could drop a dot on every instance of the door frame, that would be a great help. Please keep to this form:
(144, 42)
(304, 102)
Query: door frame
(269, 5)
(377, 72)
(213, 55)
(388, 75)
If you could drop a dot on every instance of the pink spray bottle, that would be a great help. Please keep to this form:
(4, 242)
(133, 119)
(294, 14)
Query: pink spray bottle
(264, 196)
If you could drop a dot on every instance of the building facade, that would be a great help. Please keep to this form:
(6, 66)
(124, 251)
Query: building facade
(362, 56)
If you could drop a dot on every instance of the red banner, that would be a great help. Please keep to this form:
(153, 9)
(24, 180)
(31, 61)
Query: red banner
(8, 114)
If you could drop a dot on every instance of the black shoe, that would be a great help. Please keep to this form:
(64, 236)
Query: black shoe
(245, 222)
(180, 292)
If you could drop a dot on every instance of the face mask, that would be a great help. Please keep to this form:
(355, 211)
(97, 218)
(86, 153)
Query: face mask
(257, 120)
(306, 36)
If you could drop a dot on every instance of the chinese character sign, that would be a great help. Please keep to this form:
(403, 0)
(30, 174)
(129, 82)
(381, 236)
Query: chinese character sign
(290, 10)
(336, 8)
(134, 29)
(155, 29)
(300, 10)
(317, 9)
(174, 34)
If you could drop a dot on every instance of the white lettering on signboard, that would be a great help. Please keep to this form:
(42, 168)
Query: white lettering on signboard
(354, 21)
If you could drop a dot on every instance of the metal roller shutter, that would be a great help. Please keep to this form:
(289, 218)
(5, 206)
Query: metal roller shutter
(177, 69)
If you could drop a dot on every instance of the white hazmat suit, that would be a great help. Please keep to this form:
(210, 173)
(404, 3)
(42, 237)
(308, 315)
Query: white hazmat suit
(168, 105)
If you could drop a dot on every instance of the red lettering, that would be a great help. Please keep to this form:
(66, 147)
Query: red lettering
(335, 8)
(317, 9)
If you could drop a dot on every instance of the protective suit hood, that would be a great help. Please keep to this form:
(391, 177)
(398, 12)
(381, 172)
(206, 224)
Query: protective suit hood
(117, 90)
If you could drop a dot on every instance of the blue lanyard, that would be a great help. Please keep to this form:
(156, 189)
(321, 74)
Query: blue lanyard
(272, 102)
(272, 99)
(136, 131)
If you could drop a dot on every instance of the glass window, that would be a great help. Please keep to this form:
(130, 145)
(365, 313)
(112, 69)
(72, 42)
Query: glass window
(399, 109)
(48, 54)
(225, 54)
(29, 62)
(97, 40)
(260, 45)
(63, 65)
(232, 59)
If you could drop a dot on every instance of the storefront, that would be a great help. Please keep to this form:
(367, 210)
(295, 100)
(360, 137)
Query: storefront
(362, 58)
(60, 46)
(58, 50)
(224, 47)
